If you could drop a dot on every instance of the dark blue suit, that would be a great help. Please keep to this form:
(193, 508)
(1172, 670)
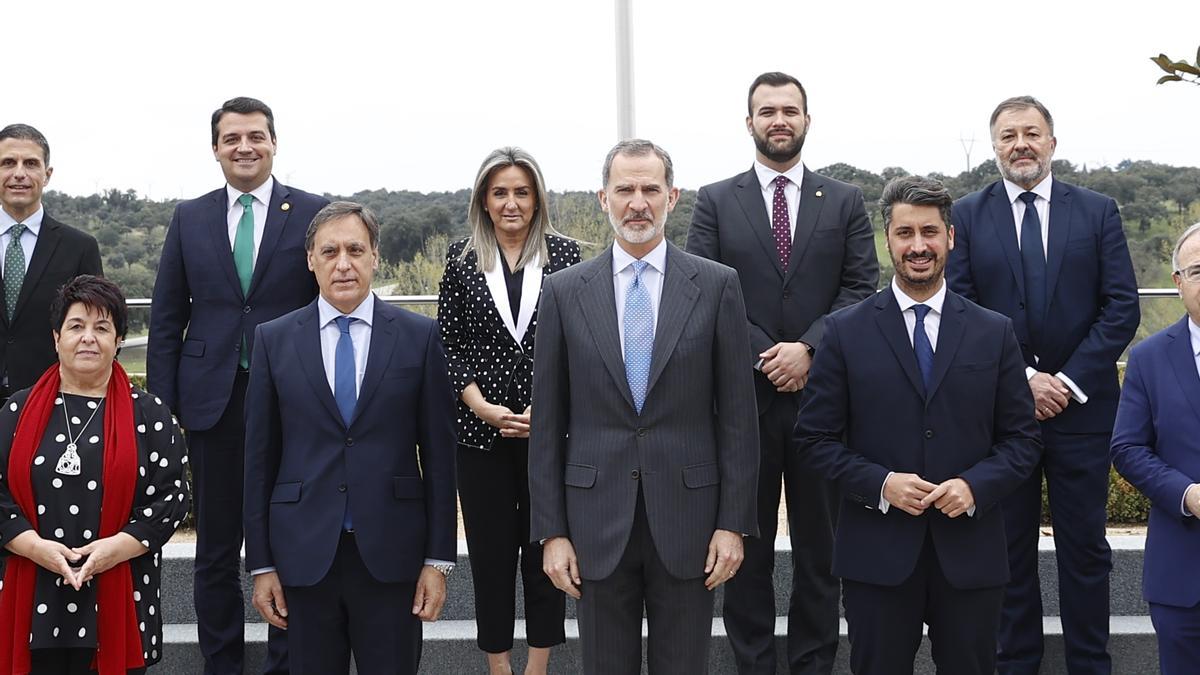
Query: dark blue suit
(197, 323)
(1091, 315)
(865, 413)
(394, 462)
(1156, 446)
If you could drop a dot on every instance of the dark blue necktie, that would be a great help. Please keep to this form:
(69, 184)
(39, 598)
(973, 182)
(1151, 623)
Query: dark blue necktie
(922, 346)
(344, 390)
(1033, 264)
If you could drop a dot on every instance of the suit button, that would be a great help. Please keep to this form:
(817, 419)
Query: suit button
(246, 309)
(929, 433)
(635, 474)
(342, 487)
(11, 340)
(641, 432)
(349, 440)
(787, 294)
(1021, 305)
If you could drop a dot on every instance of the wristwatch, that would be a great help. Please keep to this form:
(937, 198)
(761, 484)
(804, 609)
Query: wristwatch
(444, 568)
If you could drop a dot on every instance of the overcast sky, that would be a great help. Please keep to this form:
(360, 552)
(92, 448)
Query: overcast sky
(412, 95)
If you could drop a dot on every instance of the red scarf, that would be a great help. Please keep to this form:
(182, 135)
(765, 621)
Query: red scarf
(118, 643)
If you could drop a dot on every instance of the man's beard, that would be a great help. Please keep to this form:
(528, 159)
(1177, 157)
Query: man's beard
(777, 153)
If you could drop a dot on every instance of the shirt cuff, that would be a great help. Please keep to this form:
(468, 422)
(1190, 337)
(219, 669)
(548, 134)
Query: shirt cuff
(261, 570)
(1076, 392)
(1183, 502)
(884, 504)
(435, 561)
(971, 511)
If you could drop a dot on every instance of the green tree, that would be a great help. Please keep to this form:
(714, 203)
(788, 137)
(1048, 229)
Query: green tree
(1178, 71)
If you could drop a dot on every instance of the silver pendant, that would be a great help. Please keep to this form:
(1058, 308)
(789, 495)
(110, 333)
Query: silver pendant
(68, 464)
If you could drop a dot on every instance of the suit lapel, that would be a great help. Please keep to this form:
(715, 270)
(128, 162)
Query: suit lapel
(950, 333)
(1006, 231)
(807, 217)
(749, 197)
(494, 278)
(218, 227)
(308, 344)
(1183, 362)
(599, 304)
(379, 353)
(47, 241)
(1057, 234)
(678, 297)
(277, 217)
(895, 332)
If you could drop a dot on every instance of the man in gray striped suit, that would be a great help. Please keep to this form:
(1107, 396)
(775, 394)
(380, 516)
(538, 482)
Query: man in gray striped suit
(643, 457)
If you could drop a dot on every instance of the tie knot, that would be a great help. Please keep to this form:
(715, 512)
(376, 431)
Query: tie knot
(781, 181)
(17, 230)
(246, 200)
(1028, 198)
(639, 266)
(921, 312)
(343, 323)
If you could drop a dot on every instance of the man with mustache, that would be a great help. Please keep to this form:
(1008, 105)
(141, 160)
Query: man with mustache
(920, 539)
(643, 453)
(803, 247)
(1053, 257)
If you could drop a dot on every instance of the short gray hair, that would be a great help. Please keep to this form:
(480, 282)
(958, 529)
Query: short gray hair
(1021, 103)
(918, 191)
(638, 147)
(1187, 234)
(335, 210)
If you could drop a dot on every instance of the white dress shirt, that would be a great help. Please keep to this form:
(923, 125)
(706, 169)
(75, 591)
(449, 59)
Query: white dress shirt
(652, 277)
(1194, 332)
(1042, 204)
(766, 181)
(33, 226)
(262, 201)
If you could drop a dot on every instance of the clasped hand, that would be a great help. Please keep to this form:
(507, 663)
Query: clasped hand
(786, 365)
(912, 494)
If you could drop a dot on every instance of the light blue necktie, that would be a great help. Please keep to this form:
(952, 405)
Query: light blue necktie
(922, 346)
(344, 390)
(639, 335)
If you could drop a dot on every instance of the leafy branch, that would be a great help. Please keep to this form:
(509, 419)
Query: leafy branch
(1178, 71)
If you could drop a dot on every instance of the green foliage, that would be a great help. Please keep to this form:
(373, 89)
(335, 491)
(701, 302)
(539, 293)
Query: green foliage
(1178, 71)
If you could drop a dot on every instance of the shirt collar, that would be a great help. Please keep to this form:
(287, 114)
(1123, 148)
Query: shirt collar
(766, 175)
(365, 311)
(1194, 330)
(261, 193)
(657, 258)
(1042, 189)
(934, 303)
(32, 223)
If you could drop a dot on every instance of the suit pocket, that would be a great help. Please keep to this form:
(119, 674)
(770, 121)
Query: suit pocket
(408, 487)
(285, 492)
(975, 365)
(827, 232)
(701, 475)
(401, 373)
(194, 348)
(580, 475)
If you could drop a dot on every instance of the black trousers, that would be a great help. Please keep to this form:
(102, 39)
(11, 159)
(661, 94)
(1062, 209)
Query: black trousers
(66, 662)
(493, 489)
(217, 457)
(678, 611)
(1076, 469)
(885, 622)
(749, 609)
(1178, 631)
(350, 611)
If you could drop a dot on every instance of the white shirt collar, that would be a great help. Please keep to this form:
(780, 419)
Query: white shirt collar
(1042, 189)
(1194, 331)
(934, 303)
(32, 223)
(767, 175)
(365, 311)
(657, 258)
(262, 193)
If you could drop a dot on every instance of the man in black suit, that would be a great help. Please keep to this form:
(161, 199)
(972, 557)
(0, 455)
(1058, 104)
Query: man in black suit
(232, 259)
(917, 409)
(38, 254)
(803, 247)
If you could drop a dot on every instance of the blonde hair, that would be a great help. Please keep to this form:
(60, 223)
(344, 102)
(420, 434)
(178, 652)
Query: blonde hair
(483, 230)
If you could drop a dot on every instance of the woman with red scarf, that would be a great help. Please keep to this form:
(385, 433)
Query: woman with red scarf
(91, 486)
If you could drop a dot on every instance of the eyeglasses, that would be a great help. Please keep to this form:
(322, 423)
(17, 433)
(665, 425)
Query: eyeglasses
(1190, 274)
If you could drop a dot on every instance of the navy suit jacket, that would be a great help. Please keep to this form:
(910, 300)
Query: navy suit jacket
(1156, 446)
(394, 462)
(197, 290)
(1092, 309)
(865, 413)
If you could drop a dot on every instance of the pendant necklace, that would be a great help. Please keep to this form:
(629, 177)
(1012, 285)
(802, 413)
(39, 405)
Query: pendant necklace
(69, 464)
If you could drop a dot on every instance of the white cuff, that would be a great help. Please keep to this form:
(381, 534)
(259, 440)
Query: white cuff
(261, 570)
(1076, 392)
(884, 504)
(1183, 502)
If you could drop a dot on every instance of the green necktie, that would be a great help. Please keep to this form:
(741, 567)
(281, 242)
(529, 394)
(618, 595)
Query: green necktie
(14, 268)
(243, 260)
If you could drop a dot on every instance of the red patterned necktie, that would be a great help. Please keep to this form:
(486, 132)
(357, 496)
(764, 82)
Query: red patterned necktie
(780, 227)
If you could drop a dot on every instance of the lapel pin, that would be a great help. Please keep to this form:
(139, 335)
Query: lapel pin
(818, 193)
(285, 206)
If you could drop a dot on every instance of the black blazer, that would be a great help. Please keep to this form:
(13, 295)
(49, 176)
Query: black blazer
(479, 347)
(26, 346)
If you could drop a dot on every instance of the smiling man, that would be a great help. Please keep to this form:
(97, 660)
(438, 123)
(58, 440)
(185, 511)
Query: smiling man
(232, 259)
(803, 246)
(39, 255)
(643, 453)
(1053, 258)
